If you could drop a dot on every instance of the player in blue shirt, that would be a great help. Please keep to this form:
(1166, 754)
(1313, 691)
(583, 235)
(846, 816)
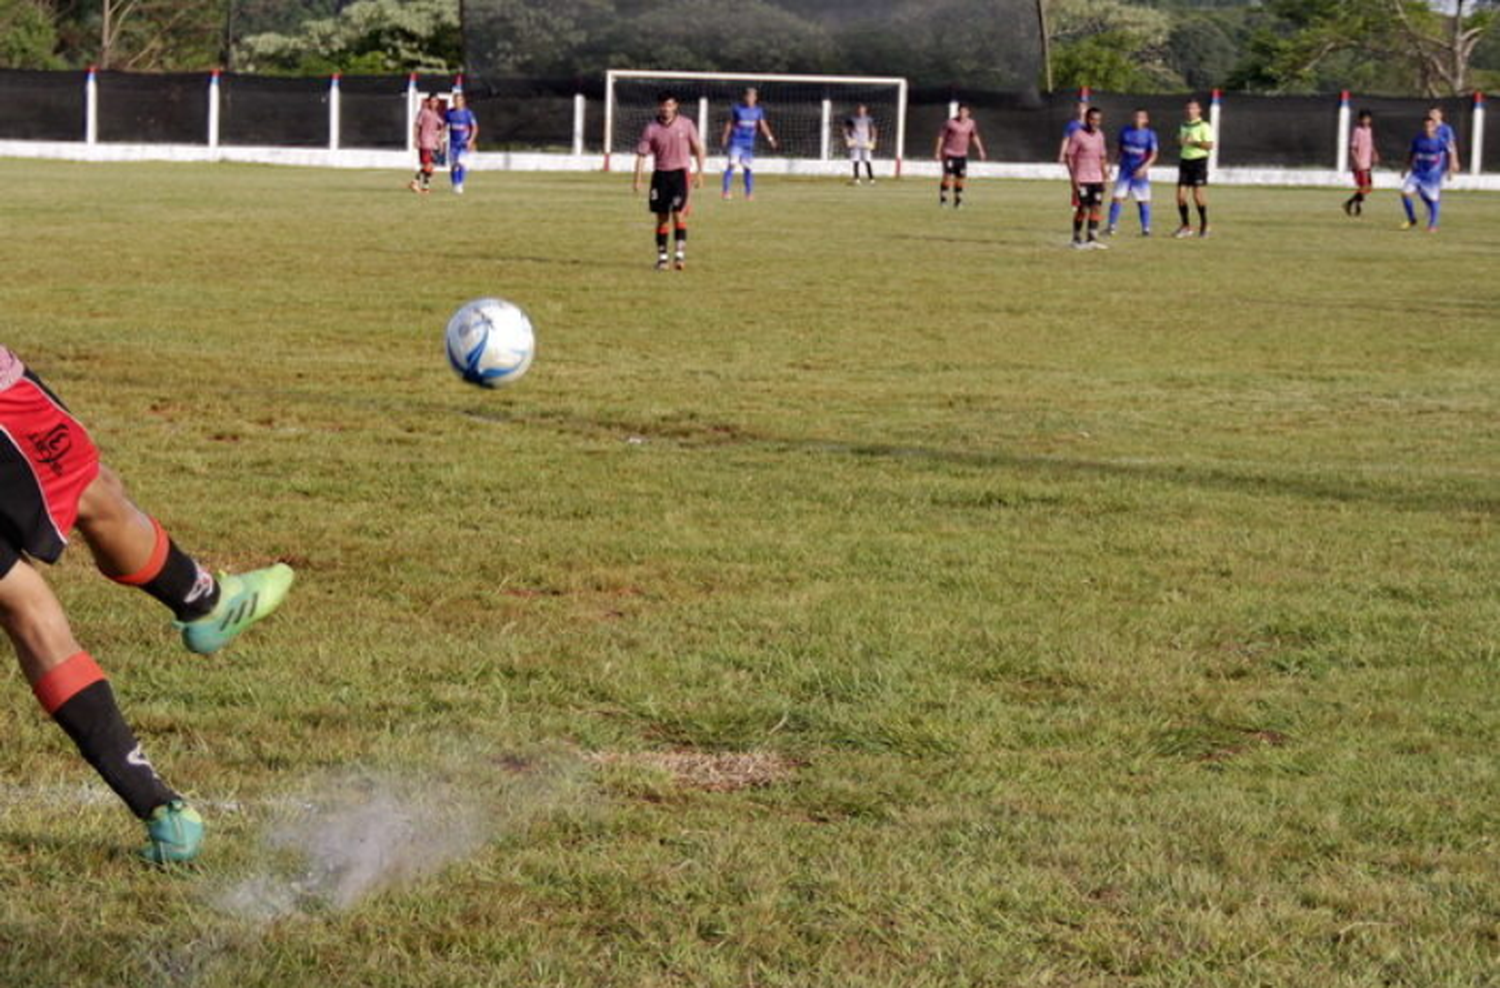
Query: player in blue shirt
(463, 137)
(747, 121)
(1430, 160)
(1138, 149)
(1447, 135)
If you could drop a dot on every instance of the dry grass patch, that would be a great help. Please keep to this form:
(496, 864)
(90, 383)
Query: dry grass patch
(728, 771)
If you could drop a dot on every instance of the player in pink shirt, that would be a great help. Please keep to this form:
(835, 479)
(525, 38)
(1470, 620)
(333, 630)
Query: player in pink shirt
(673, 141)
(1087, 158)
(428, 132)
(952, 150)
(1362, 159)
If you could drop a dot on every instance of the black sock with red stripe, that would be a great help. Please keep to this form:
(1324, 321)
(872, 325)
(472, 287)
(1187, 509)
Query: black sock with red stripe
(175, 579)
(79, 698)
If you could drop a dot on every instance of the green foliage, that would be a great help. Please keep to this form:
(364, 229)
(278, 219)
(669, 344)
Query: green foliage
(1111, 45)
(1202, 51)
(367, 36)
(28, 36)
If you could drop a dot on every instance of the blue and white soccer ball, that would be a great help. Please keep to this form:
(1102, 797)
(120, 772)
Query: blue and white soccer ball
(490, 343)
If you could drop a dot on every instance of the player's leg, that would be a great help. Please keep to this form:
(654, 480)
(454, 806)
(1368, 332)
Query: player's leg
(728, 190)
(1200, 198)
(1185, 228)
(663, 237)
(1095, 201)
(460, 170)
(960, 179)
(132, 549)
(1432, 199)
(75, 693)
(946, 183)
(1117, 203)
(680, 231)
(747, 166)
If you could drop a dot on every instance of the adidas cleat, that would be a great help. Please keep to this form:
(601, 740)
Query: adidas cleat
(174, 834)
(243, 600)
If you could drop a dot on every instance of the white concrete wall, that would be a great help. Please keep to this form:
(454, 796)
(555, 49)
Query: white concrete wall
(524, 161)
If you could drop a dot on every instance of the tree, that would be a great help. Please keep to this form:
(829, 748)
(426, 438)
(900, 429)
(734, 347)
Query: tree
(1413, 44)
(369, 36)
(155, 35)
(525, 37)
(1201, 51)
(28, 37)
(1111, 44)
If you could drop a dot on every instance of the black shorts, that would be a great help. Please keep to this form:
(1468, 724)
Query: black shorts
(669, 192)
(1090, 195)
(956, 167)
(47, 461)
(1193, 172)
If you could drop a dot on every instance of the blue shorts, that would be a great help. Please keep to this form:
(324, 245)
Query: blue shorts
(740, 154)
(1133, 185)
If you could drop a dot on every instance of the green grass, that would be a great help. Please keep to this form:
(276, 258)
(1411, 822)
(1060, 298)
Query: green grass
(1126, 619)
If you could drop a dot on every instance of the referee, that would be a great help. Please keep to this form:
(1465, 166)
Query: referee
(1196, 138)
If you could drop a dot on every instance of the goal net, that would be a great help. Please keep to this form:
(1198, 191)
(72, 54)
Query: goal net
(807, 113)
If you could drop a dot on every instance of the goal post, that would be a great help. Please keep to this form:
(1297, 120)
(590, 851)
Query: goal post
(805, 112)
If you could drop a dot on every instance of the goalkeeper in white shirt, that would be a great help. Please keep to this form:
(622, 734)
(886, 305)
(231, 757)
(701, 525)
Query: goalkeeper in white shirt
(860, 134)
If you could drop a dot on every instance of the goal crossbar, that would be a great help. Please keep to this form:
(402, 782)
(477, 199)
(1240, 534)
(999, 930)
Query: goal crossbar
(899, 83)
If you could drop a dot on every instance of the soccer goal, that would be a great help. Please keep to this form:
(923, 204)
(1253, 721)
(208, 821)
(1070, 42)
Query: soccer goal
(806, 112)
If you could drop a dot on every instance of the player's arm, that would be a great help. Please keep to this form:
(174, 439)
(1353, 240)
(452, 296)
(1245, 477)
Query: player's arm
(728, 129)
(874, 136)
(640, 168)
(1150, 158)
(979, 143)
(937, 149)
(1207, 145)
(1452, 159)
(765, 128)
(1062, 152)
(473, 133)
(699, 155)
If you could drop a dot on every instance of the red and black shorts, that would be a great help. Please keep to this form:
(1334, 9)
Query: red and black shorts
(1088, 195)
(426, 157)
(1364, 180)
(956, 166)
(47, 461)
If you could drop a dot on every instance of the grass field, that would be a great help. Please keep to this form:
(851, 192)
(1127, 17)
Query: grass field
(894, 598)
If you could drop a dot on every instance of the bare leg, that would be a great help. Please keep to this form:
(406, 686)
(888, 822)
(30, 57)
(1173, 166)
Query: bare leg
(121, 536)
(74, 691)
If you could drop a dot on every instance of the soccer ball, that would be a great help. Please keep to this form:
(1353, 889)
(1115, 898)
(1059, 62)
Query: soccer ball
(490, 343)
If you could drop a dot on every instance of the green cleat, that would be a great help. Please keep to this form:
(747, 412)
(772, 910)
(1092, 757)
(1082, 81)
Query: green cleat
(174, 832)
(243, 600)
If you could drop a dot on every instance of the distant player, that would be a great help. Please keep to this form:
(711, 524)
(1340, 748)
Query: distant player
(953, 151)
(1196, 139)
(1087, 160)
(1363, 157)
(427, 134)
(860, 136)
(673, 140)
(463, 138)
(1079, 112)
(1138, 149)
(1069, 128)
(747, 121)
(1448, 136)
(51, 481)
(1429, 162)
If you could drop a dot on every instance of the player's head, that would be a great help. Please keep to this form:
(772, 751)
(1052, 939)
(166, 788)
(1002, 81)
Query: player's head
(752, 96)
(862, 110)
(1141, 118)
(1435, 114)
(1365, 117)
(1194, 109)
(1081, 110)
(964, 111)
(458, 101)
(1091, 117)
(1430, 126)
(666, 104)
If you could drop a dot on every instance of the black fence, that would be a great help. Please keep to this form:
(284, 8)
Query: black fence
(538, 114)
